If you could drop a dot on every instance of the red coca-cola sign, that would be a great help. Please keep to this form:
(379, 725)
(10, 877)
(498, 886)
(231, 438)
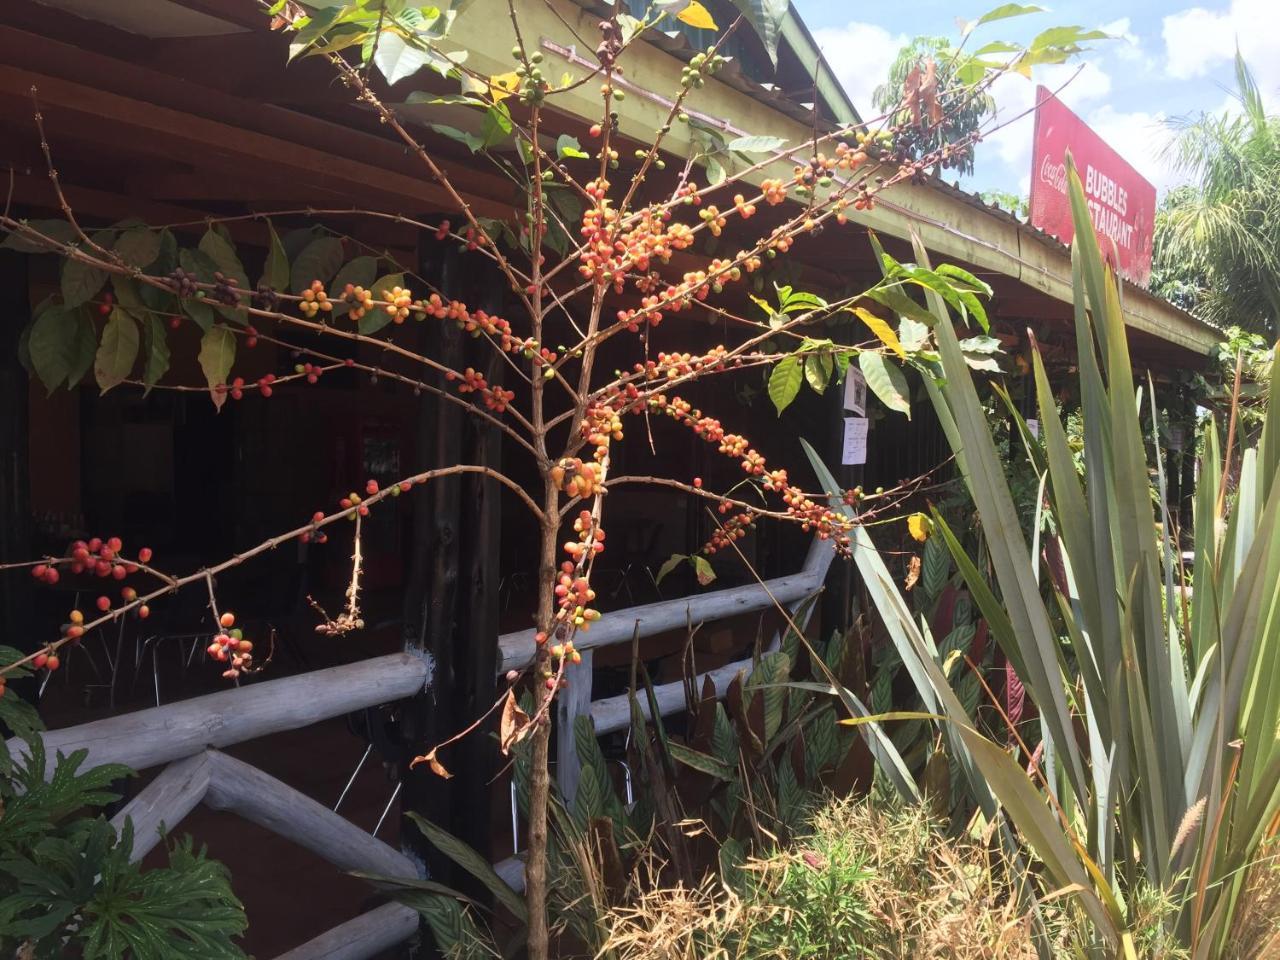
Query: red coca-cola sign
(1121, 202)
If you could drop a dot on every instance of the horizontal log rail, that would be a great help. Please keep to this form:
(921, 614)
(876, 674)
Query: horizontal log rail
(186, 734)
(225, 783)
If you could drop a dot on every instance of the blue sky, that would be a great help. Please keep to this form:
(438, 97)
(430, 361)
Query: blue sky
(1172, 58)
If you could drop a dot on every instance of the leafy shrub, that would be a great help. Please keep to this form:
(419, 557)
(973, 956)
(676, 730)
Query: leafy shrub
(68, 885)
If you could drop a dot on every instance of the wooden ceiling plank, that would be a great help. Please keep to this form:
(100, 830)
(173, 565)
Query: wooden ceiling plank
(356, 179)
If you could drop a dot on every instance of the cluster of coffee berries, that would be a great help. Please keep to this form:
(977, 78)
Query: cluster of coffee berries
(590, 541)
(354, 504)
(46, 660)
(531, 82)
(600, 427)
(361, 300)
(713, 218)
(103, 558)
(400, 302)
(810, 514)
(226, 290)
(734, 528)
(701, 66)
(184, 284)
(311, 371)
(315, 534)
(576, 478)
(266, 298)
(230, 646)
(314, 300)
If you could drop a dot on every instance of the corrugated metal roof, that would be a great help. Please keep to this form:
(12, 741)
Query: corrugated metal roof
(1049, 240)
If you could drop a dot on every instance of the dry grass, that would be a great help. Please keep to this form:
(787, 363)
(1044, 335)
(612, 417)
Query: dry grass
(870, 881)
(1257, 930)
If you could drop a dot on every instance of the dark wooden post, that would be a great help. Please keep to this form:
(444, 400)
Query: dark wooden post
(476, 639)
(451, 604)
(433, 573)
(15, 500)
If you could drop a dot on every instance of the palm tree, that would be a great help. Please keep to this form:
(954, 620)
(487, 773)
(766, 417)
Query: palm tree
(963, 109)
(1224, 234)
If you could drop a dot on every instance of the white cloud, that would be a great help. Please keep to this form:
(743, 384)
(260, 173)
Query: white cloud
(1126, 45)
(860, 54)
(1140, 138)
(1198, 40)
(1015, 97)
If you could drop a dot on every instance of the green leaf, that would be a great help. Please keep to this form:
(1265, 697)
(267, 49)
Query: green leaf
(217, 354)
(157, 354)
(497, 125)
(84, 350)
(118, 350)
(138, 246)
(886, 381)
(1056, 38)
(770, 673)
(756, 144)
(963, 277)
(702, 569)
(200, 312)
(897, 301)
(80, 282)
(57, 230)
(705, 763)
(223, 254)
(912, 335)
(476, 865)
(798, 301)
(716, 173)
(359, 273)
(157, 298)
(567, 146)
(52, 345)
(817, 371)
(1002, 12)
(670, 564)
(471, 141)
(765, 17)
(784, 382)
(981, 345)
(319, 260)
(396, 59)
(275, 272)
(447, 99)
(198, 263)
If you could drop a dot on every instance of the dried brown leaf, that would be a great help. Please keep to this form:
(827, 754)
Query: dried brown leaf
(913, 573)
(437, 767)
(515, 724)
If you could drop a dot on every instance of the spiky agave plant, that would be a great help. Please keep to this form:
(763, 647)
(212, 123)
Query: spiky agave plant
(1160, 766)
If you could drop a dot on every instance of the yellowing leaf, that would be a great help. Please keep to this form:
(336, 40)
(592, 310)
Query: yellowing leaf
(920, 526)
(502, 86)
(696, 15)
(881, 330)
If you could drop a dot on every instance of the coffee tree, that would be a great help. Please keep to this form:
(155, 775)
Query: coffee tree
(618, 239)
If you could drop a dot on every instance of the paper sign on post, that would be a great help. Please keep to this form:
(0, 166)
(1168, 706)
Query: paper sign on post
(855, 392)
(855, 440)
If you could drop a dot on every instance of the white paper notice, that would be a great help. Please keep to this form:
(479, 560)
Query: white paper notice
(855, 392)
(1033, 428)
(855, 440)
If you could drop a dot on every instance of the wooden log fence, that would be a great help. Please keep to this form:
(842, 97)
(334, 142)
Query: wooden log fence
(187, 736)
